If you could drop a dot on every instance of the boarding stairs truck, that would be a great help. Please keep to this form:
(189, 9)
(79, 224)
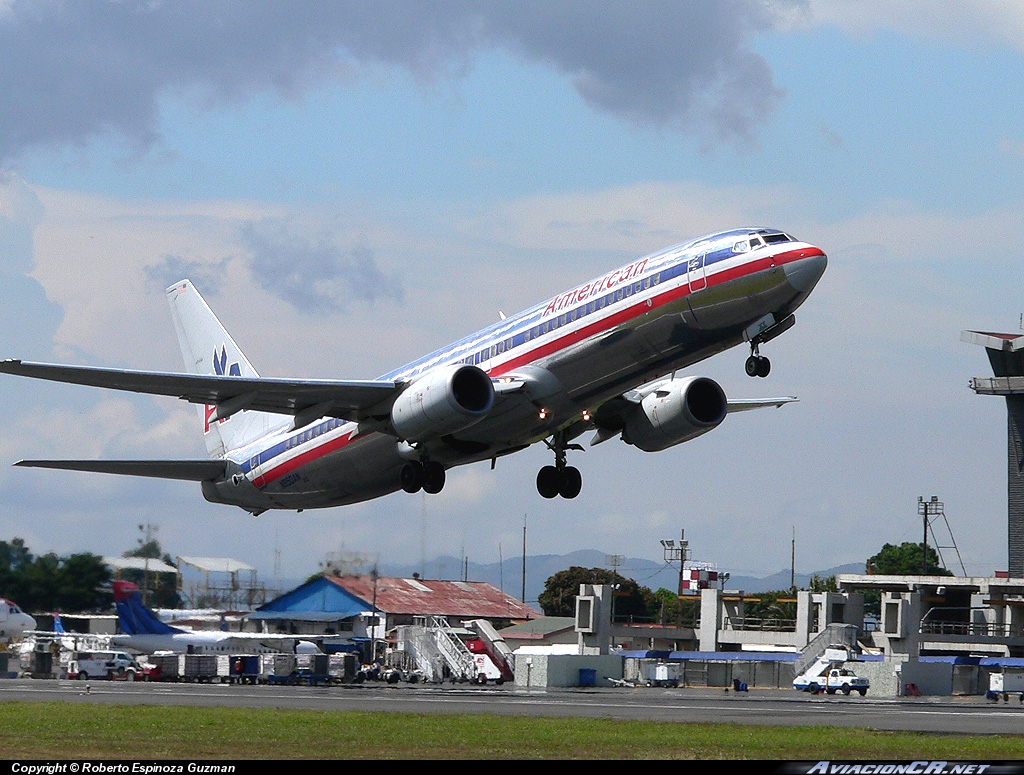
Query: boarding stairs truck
(493, 656)
(828, 674)
(437, 651)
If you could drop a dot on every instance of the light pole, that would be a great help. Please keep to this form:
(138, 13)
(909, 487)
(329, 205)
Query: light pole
(673, 553)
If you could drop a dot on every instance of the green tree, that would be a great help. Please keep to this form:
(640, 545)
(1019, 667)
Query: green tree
(561, 590)
(666, 607)
(76, 583)
(84, 584)
(905, 560)
(822, 584)
(777, 609)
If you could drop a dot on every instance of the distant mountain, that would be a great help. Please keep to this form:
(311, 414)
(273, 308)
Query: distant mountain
(508, 575)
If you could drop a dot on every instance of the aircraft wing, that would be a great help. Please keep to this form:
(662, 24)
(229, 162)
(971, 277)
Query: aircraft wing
(189, 470)
(746, 404)
(353, 400)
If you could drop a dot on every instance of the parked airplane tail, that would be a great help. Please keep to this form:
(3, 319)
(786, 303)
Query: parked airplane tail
(132, 614)
(209, 349)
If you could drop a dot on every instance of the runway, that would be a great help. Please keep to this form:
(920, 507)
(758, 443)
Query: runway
(954, 715)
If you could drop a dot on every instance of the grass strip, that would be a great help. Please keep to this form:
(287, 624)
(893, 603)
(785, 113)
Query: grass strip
(62, 731)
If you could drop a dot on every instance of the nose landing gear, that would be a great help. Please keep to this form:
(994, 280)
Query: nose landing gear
(757, 365)
(560, 479)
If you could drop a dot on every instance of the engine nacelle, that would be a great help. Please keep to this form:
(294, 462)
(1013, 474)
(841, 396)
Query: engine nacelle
(442, 401)
(677, 411)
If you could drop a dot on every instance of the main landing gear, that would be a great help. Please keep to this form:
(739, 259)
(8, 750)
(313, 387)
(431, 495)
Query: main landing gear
(757, 365)
(560, 479)
(426, 475)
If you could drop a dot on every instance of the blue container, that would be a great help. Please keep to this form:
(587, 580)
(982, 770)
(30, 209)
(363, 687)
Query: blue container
(588, 676)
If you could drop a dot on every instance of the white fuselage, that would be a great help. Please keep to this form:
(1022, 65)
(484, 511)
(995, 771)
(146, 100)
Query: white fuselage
(574, 352)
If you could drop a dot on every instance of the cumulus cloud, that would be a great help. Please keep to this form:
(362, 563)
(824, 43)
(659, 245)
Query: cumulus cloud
(314, 276)
(27, 319)
(966, 22)
(203, 274)
(75, 69)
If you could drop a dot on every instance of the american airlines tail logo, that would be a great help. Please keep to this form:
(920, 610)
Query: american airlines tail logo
(219, 363)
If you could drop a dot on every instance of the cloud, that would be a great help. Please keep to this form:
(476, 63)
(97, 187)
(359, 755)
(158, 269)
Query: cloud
(314, 276)
(27, 319)
(73, 70)
(203, 274)
(967, 23)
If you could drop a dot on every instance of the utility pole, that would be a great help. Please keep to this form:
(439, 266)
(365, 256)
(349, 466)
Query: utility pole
(522, 595)
(615, 560)
(792, 561)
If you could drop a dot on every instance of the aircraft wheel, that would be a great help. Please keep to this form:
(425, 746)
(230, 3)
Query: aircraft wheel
(433, 478)
(751, 366)
(548, 481)
(764, 366)
(571, 482)
(412, 477)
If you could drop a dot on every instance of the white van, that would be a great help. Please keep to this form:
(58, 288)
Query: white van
(103, 664)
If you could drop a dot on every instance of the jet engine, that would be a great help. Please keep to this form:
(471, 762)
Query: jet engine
(675, 411)
(442, 401)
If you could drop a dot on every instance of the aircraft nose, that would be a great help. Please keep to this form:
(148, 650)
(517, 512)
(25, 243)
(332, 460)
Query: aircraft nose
(804, 273)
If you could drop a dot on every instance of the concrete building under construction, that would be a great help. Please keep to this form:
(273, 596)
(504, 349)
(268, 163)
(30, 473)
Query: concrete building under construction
(1006, 356)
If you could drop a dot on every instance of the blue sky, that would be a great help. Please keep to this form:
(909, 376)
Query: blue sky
(479, 158)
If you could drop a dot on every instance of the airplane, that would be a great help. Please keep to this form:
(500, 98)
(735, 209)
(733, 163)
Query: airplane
(13, 621)
(144, 632)
(602, 356)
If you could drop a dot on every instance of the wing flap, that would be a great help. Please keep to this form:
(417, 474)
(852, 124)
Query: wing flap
(189, 470)
(348, 400)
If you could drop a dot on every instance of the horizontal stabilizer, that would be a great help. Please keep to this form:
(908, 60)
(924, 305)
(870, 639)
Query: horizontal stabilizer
(745, 404)
(190, 470)
(348, 400)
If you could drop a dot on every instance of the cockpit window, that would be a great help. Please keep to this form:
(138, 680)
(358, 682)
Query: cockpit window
(741, 247)
(771, 239)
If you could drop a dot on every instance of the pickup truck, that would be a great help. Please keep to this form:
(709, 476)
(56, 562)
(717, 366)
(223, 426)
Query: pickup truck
(836, 679)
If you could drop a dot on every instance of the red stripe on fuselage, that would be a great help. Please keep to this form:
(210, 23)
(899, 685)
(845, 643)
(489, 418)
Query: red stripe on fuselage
(302, 458)
(641, 308)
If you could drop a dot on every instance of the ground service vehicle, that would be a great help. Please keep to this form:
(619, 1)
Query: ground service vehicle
(838, 679)
(103, 664)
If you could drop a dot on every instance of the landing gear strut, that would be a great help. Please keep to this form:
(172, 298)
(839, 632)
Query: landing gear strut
(427, 476)
(757, 365)
(560, 479)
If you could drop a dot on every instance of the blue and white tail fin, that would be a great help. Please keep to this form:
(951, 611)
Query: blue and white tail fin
(208, 349)
(133, 616)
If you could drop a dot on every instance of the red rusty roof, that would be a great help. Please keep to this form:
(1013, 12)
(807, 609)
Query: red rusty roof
(427, 597)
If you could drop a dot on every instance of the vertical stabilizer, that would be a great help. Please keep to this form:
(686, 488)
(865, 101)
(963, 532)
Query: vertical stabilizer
(208, 349)
(132, 614)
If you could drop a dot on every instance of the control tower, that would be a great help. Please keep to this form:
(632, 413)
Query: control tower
(1006, 355)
